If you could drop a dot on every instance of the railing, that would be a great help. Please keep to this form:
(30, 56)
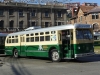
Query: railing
(32, 5)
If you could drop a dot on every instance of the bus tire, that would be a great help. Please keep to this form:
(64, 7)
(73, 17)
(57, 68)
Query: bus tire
(15, 53)
(55, 57)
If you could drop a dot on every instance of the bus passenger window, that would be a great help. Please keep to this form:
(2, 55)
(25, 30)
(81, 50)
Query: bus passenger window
(27, 34)
(9, 36)
(13, 41)
(46, 32)
(47, 38)
(9, 40)
(41, 38)
(36, 33)
(32, 39)
(27, 39)
(53, 37)
(41, 33)
(32, 34)
(53, 32)
(36, 39)
(12, 36)
(16, 40)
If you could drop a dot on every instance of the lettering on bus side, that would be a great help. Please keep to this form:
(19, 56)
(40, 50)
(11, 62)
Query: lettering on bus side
(45, 47)
(40, 48)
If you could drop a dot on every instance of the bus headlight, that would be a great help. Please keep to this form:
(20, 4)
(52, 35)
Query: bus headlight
(78, 47)
(93, 47)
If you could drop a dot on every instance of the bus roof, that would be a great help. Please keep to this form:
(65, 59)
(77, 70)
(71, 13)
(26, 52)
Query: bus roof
(3, 34)
(62, 27)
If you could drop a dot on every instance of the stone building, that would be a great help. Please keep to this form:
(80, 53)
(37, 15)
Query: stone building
(18, 16)
(88, 15)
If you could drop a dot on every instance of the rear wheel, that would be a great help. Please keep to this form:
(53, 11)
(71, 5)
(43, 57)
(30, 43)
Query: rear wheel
(15, 53)
(55, 57)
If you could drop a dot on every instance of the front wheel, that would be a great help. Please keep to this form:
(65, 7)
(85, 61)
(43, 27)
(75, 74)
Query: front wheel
(55, 57)
(15, 53)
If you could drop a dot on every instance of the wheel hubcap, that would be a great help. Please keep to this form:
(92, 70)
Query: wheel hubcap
(55, 56)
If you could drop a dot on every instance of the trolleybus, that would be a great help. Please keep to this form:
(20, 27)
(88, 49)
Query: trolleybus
(96, 39)
(70, 41)
(2, 42)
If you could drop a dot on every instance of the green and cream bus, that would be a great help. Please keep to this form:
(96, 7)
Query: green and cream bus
(96, 39)
(2, 42)
(70, 41)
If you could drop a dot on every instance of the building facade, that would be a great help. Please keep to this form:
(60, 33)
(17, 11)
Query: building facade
(18, 16)
(88, 15)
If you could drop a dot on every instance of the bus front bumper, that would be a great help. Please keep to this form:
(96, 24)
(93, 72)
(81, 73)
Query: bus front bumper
(84, 55)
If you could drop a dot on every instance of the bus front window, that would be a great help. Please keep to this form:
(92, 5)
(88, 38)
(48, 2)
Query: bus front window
(87, 34)
(79, 34)
(84, 34)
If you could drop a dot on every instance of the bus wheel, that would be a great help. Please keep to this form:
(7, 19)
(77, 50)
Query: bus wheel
(55, 57)
(15, 53)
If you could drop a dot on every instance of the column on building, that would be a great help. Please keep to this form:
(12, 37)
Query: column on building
(39, 18)
(52, 18)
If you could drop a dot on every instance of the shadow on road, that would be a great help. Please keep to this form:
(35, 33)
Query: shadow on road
(79, 60)
(94, 58)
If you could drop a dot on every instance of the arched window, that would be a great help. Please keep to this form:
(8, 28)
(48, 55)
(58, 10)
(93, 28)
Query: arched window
(95, 26)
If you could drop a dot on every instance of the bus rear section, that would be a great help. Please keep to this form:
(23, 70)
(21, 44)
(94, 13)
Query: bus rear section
(77, 43)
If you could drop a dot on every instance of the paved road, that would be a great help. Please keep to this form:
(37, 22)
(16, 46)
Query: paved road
(41, 66)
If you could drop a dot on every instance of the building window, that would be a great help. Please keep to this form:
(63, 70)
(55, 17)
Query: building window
(1, 12)
(11, 23)
(80, 18)
(33, 13)
(59, 23)
(11, 11)
(46, 24)
(46, 13)
(1, 24)
(20, 12)
(95, 16)
(59, 14)
(21, 24)
(33, 23)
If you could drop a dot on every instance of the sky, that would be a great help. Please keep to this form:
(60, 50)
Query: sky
(63, 1)
(90, 1)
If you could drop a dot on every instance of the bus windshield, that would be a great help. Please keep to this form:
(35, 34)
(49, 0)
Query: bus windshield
(83, 34)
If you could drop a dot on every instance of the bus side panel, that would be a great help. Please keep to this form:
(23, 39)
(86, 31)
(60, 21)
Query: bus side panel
(39, 50)
(36, 50)
(8, 50)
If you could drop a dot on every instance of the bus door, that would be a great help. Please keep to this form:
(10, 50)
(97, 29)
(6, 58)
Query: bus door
(22, 46)
(67, 43)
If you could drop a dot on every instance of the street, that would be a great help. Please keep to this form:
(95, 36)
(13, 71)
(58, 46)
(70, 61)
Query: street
(43, 66)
